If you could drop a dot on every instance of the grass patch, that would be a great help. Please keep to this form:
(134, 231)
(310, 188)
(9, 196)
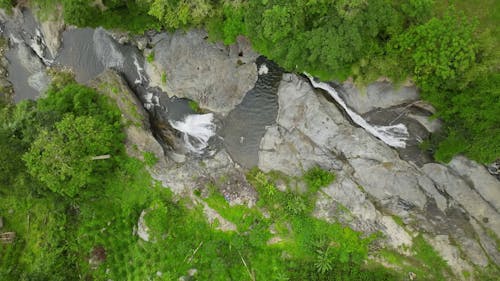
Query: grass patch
(398, 220)
(164, 78)
(150, 158)
(317, 178)
(151, 57)
(425, 262)
(194, 106)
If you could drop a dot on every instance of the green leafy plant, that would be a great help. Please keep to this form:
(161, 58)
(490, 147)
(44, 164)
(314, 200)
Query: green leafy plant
(151, 57)
(150, 158)
(317, 178)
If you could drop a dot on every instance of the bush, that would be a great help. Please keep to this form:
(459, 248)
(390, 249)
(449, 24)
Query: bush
(317, 178)
(440, 52)
(63, 158)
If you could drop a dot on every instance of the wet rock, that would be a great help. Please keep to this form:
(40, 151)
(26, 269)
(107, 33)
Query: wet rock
(375, 166)
(27, 73)
(432, 125)
(108, 50)
(187, 65)
(373, 183)
(377, 95)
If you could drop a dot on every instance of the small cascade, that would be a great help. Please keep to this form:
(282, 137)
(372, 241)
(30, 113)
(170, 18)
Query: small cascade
(196, 131)
(394, 135)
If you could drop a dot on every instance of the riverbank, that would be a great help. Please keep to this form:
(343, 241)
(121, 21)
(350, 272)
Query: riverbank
(269, 215)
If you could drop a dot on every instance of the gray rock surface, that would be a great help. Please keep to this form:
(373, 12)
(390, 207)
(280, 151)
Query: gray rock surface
(213, 75)
(377, 95)
(374, 183)
(142, 228)
(52, 30)
(480, 179)
(451, 255)
(465, 195)
(344, 194)
(376, 167)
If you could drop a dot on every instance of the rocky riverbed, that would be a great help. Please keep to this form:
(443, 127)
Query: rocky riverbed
(288, 127)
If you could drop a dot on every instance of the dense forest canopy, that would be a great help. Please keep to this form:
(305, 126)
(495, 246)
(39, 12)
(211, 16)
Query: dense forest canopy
(67, 208)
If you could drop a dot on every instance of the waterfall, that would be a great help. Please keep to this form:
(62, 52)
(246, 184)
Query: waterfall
(196, 130)
(141, 77)
(395, 135)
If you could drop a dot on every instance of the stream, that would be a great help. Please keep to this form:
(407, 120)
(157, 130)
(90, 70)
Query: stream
(88, 52)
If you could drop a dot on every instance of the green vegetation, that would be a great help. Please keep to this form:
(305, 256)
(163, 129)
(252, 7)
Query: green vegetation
(74, 216)
(149, 158)
(297, 246)
(450, 55)
(164, 78)
(317, 178)
(151, 57)
(6, 4)
(424, 261)
(194, 106)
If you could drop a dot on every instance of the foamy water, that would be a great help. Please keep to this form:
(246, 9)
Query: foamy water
(395, 135)
(196, 130)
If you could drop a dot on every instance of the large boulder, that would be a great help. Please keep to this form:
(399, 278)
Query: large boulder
(187, 65)
(381, 94)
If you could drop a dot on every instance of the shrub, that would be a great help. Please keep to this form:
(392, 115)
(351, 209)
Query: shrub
(317, 178)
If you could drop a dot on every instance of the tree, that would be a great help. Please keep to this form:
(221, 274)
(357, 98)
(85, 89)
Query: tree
(439, 52)
(181, 13)
(62, 158)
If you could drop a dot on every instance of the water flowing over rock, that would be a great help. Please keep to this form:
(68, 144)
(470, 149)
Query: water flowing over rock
(276, 122)
(196, 129)
(374, 183)
(27, 55)
(394, 135)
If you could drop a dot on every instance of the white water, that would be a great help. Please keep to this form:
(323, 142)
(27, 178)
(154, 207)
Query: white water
(263, 69)
(140, 72)
(196, 130)
(395, 135)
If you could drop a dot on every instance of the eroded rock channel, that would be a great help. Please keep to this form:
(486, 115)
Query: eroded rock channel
(256, 115)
